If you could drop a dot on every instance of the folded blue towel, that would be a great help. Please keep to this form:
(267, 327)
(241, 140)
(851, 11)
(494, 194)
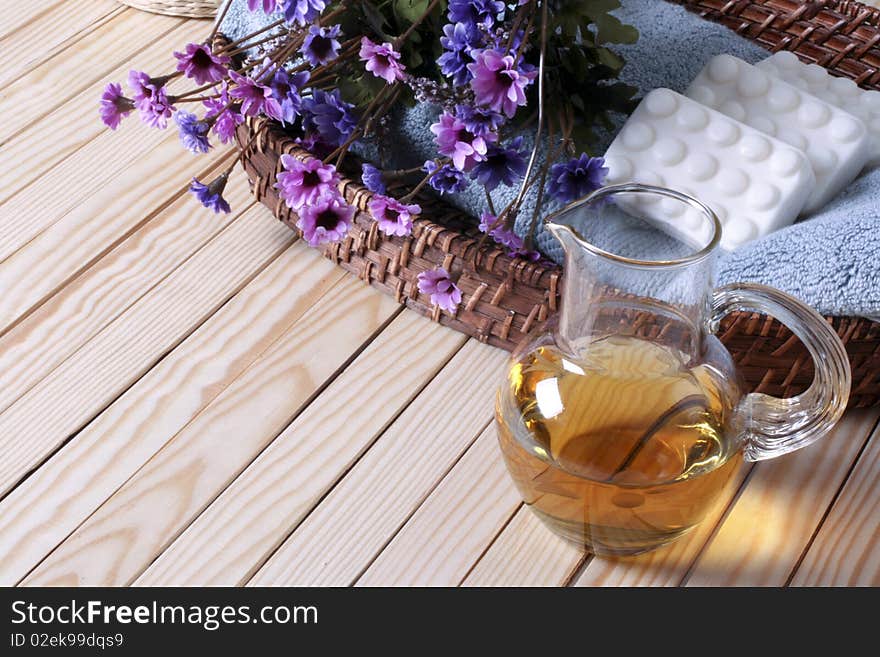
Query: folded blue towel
(831, 260)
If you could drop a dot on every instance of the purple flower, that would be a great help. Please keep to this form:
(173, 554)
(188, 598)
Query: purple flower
(382, 60)
(269, 6)
(303, 183)
(443, 291)
(501, 166)
(475, 12)
(302, 11)
(150, 99)
(211, 195)
(200, 64)
(114, 106)
(285, 89)
(498, 83)
(479, 120)
(458, 40)
(225, 117)
(455, 141)
(330, 116)
(193, 132)
(321, 45)
(446, 179)
(256, 98)
(506, 237)
(393, 217)
(372, 179)
(569, 181)
(328, 219)
(487, 222)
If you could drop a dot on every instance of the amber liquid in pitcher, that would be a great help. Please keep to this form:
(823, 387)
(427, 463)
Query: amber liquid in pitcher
(620, 452)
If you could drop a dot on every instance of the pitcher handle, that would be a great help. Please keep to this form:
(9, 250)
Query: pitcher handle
(774, 426)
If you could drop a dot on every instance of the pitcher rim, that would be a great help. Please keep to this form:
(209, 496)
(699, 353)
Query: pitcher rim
(689, 259)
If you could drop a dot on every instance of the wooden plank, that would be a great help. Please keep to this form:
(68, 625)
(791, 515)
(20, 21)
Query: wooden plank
(95, 226)
(39, 343)
(106, 366)
(526, 553)
(41, 512)
(34, 95)
(765, 533)
(15, 15)
(133, 527)
(56, 29)
(246, 523)
(458, 521)
(340, 538)
(846, 550)
(37, 149)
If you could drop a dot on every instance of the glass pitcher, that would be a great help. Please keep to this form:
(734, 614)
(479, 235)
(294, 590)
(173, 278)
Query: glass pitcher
(623, 420)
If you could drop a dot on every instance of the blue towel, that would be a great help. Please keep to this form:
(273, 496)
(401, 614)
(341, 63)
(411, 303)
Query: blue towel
(830, 260)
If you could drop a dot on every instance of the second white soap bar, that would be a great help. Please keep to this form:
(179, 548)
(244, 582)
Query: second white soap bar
(836, 142)
(840, 92)
(754, 183)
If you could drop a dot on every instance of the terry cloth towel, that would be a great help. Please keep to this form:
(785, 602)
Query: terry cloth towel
(831, 260)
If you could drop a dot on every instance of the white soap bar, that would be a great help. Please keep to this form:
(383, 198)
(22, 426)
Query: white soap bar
(840, 92)
(836, 142)
(754, 183)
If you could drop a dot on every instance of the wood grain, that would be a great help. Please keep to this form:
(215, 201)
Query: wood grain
(15, 15)
(41, 512)
(36, 150)
(57, 29)
(450, 531)
(34, 95)
(69, 319)
(351, 525)
(781, 506)
(243, 526)
(526, 553)
(846, 550)
(120, 354)
(133, 527)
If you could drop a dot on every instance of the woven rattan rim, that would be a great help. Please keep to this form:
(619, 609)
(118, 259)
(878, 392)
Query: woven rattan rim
(504, 298)
(186, 8)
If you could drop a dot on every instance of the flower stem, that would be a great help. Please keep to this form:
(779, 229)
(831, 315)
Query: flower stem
(412, 28)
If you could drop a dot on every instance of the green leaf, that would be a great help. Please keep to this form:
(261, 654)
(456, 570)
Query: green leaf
(411, 10)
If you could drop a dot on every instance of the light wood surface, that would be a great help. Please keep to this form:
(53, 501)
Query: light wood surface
(194, 399)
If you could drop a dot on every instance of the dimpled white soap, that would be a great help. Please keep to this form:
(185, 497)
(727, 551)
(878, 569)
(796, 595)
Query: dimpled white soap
(836, 142)
(754, 183)
(840, 92)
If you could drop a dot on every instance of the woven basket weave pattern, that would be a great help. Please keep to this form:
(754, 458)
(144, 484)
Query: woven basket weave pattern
(186, 8)
(504, 298)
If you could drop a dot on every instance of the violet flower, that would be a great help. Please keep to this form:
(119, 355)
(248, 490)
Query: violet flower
(150, 98)
(225, 117)
(256, 98)
(498, 83)
(268, 6)
(569, 181)
(372, 178)
(200, 64)
(303, 183)
(456, 142)
(302, 12)
(479, 120)
(328, 219)
(445, 179)
(328, 115)
(321, 45)
(502, 166)
(458, 40)
(193, 132)
(382, 60)
(211, 195)
(475, 12)
(505, 237)
(444, 292)
(392, 216)
(285, 89)
(114, 106)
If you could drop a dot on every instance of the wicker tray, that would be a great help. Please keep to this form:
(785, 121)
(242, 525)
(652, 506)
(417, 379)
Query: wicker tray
(504, 298)
(187, 8)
